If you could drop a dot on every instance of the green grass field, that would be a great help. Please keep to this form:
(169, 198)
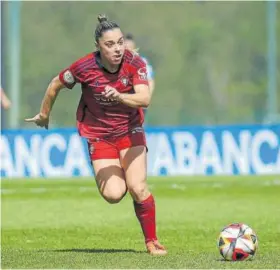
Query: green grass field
(66, 224)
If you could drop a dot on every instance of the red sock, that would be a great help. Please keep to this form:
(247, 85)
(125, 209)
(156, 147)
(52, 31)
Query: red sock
(145, 212)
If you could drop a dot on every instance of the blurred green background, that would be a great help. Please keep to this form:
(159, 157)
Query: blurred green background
(210, 58)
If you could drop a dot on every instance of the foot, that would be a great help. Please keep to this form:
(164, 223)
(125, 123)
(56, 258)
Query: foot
(155, 248)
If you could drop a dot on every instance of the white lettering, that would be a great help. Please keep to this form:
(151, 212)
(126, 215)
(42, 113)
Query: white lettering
(278, 160)
(185, 149)
(261, 137)
(6, 158)
(76, 157)
(234, 154)
(53, 140)
(27, 157)
(163, 158)
(209, 154)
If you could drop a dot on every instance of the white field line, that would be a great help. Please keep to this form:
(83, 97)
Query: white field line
(45, 190)
(82, 189)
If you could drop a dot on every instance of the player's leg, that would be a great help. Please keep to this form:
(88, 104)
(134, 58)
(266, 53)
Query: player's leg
(134, 163)
(109, 174)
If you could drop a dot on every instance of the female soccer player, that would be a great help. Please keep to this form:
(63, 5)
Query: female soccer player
(114, 90)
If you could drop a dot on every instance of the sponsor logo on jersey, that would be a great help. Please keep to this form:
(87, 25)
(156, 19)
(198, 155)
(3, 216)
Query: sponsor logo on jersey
(105, 101)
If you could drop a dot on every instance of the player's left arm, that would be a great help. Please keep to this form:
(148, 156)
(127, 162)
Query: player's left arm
(151, 78)
(141, 97)
(152, 86)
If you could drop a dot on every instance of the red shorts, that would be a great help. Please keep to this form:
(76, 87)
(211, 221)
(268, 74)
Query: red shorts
(110, 149)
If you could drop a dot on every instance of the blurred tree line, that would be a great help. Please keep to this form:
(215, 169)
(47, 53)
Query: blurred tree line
(209, 57)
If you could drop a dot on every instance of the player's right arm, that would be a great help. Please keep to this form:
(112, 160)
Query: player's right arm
(66, 78)
(42, 118)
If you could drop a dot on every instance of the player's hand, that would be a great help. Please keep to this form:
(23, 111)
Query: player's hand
(111, 92)
(40, 120)
(6, 104)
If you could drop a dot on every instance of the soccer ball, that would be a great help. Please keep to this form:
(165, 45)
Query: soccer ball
(237, 242)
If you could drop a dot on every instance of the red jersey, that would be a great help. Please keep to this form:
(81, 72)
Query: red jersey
(97, 116)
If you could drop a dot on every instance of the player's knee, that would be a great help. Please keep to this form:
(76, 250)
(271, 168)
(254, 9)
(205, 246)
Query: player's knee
(114, 196)
(139, 192)
(113, 200)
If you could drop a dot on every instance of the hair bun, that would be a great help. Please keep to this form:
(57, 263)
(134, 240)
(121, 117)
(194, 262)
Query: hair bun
(102, 18)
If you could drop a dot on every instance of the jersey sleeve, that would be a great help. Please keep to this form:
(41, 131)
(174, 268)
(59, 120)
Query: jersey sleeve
(140, 75)
(69, 76)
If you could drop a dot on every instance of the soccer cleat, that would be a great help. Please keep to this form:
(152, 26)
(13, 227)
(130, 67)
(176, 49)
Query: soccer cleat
(155, 248)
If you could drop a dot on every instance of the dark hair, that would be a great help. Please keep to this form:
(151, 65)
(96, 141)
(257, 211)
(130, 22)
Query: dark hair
(129, 36)
(103, 26)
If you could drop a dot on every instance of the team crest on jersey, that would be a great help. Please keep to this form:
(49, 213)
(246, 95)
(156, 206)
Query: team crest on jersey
(142, 72)
(124, 81)
(68, 77)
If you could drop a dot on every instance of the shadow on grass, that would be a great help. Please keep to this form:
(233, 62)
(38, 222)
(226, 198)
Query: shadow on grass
(95, 250)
